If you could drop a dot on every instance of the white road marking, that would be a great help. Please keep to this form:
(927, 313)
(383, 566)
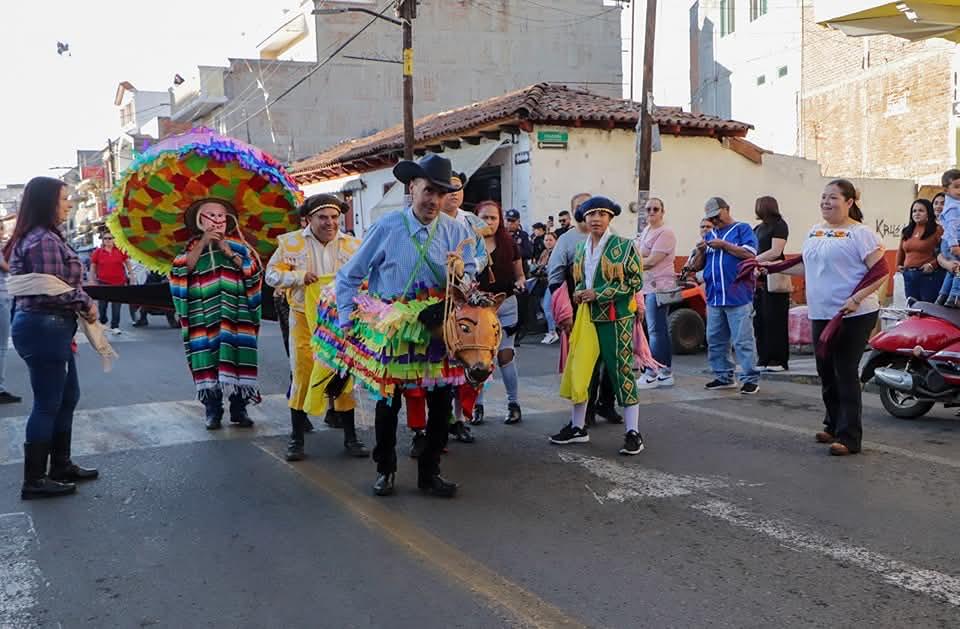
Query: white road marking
(635, 483)
(937, 585)
(797, 430)
(640, 482)
(20, 576)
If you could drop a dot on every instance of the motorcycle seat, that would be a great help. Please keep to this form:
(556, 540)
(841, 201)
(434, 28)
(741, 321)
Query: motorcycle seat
(950, 315)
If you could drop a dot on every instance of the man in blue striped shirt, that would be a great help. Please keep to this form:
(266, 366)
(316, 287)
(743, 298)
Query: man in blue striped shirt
(403, 252)
(729, 305)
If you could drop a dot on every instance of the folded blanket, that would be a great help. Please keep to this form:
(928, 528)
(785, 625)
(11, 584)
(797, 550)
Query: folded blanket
(44, 284)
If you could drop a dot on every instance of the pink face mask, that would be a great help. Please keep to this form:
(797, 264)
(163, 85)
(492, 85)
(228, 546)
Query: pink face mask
(213, 220)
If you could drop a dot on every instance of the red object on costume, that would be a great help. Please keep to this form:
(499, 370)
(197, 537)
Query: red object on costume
(467, 394)
(416, 401)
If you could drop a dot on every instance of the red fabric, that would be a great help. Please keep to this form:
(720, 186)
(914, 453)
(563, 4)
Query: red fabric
(877, 272)
(467, 394)
(416, 400)
(110, 266)
(745, 270)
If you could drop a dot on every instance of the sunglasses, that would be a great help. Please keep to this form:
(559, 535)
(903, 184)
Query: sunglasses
(652, 210)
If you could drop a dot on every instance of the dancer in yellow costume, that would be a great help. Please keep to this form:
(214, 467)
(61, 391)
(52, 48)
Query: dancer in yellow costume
(305, 261)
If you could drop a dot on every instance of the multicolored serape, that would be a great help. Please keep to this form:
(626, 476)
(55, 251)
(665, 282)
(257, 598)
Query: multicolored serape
(218, 307)
(387, 347)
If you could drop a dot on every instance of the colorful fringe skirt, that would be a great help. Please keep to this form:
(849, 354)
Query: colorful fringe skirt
(387, 348)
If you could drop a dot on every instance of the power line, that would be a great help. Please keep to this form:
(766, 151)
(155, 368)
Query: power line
(330, 58)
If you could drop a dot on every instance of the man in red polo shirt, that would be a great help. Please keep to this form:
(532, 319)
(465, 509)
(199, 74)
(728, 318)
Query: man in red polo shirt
(110, 266)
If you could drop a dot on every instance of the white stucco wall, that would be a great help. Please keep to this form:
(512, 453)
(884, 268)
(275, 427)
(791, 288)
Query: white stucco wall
(690, 170)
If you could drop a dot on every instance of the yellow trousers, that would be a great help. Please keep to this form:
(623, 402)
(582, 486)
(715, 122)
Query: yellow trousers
(310, 377)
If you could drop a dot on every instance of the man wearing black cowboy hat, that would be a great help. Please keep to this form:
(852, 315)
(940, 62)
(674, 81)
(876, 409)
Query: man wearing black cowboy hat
(305, 257)
(403, 253)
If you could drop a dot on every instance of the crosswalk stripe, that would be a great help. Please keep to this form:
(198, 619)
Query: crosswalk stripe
(20, 576)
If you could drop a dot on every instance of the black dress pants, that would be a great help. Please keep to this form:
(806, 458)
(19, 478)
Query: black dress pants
(439, 408)
(840, 378)
(770, 326)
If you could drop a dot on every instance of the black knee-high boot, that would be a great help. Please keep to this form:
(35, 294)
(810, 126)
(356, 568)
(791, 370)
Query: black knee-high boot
(351, 444)
(297, 428)
(61, 467)
(36, 483)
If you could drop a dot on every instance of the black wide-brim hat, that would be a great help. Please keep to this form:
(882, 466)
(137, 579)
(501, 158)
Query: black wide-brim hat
(596, 204)
(435, 169)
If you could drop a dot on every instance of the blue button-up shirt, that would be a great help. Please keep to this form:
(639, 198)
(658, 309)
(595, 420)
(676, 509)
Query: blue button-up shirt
(388, 258)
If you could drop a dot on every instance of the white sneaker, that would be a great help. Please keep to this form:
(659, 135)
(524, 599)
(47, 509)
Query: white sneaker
(665, 380)
(647, 381)
(550, 338)
(554, 338)
(116, 330)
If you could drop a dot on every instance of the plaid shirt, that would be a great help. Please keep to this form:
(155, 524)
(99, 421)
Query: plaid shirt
(44, 250)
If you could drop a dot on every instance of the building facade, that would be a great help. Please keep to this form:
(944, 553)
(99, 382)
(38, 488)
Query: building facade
(463, 51)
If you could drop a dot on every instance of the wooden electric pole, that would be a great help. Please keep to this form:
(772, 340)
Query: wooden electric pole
(407, 11)
(645, 125)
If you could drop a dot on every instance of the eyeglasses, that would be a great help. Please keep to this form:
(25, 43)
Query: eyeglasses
(652, 210)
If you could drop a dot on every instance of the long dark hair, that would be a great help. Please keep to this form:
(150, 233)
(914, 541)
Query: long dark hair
(768, 210)
(503, 254)
(931, 225)
(849, 192)
(38, 208)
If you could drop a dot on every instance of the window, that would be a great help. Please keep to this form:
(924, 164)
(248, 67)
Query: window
(757, 8)
(728, 17)
(761, 79)
(782, 71)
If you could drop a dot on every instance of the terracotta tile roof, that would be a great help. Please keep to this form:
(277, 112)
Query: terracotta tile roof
(543, 103)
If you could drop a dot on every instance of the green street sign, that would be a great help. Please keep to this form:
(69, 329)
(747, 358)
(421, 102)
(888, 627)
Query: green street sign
(553, 137)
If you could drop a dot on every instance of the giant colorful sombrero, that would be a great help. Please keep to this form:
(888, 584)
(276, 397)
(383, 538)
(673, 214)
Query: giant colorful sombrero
(148, 204)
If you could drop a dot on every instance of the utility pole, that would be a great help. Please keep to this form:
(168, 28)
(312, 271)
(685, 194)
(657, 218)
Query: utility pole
(407, 11)
(645, 125)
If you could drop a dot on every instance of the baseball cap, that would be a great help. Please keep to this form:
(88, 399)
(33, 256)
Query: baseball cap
(713, 206)
(512, 215)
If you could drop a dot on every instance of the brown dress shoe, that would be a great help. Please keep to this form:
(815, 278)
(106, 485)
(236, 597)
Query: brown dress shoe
(824, 437)
(838, 449)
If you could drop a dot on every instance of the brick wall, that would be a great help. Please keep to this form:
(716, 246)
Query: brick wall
(877, 106)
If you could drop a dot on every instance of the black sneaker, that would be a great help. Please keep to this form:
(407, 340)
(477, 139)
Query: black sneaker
(514, 415)
(719, 384)
(749, 388)
(8, 398)
(570, 434)
(632, 443)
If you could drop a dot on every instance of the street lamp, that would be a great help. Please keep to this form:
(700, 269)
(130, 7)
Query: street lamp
(407, 10)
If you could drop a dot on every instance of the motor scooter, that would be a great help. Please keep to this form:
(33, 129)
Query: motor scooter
(916, 362)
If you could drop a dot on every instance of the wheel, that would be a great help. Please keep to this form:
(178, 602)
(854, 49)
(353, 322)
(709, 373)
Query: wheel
(687, 331)
(903, 405)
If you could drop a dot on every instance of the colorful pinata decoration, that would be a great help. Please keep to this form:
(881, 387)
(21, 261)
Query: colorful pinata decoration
(387, 347)
(147, 205)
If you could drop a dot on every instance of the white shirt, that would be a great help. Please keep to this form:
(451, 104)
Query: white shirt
(834, 263)
(323, 257)
(591, 258)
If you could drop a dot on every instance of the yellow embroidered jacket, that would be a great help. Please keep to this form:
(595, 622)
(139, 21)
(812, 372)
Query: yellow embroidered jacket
(299, 252)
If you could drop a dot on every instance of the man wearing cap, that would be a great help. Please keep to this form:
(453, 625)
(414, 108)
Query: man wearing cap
(608, 274)
(304, 257)
(405, 252)
(729, 304)
(560, 273)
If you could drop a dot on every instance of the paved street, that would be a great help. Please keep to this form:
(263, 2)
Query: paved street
(732, 517)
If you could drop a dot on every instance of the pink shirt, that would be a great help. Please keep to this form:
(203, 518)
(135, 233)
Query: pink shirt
(662, 275)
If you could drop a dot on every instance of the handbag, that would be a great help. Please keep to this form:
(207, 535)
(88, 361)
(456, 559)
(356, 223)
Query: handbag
(669, 296)
(779, 283)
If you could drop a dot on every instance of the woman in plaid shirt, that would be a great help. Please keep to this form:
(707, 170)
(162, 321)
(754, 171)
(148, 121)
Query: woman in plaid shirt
(42, 330)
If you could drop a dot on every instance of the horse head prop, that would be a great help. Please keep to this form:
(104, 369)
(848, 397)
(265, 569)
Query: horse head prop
(472, 332)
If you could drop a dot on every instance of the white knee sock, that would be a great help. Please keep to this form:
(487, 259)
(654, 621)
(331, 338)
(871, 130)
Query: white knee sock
(631, 417)
(579, 419)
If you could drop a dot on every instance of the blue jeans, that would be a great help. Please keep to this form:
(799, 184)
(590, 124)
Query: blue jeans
(4, 338)
(658, 330)
(547, 304)
(728, 325)
(43, 341)
(923, 286)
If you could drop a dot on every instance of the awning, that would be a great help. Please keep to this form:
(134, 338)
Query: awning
(353, 183)
(912, 20)
(466, 159)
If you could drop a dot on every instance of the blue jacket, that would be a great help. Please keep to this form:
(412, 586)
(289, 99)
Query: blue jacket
(721, 268)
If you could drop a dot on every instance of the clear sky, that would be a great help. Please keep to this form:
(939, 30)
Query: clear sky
(52, 105)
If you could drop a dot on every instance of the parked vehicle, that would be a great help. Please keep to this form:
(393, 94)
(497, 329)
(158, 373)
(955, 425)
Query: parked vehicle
(688, 320)
(916, 362)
